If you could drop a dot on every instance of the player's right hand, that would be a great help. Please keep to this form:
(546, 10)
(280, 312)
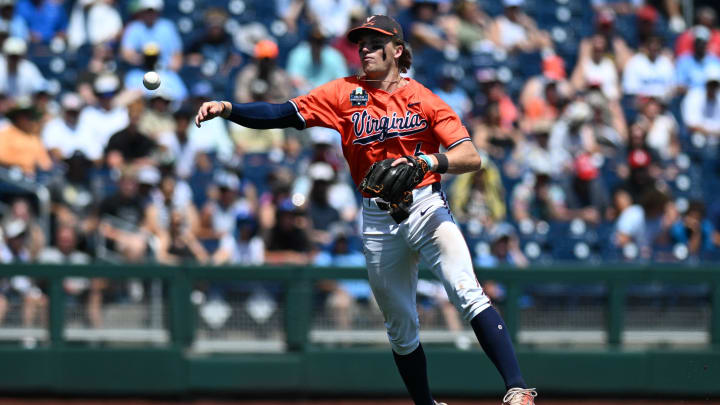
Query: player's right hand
(208, 111)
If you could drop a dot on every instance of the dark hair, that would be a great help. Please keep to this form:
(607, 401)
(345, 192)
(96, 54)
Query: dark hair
(696, 206)
(405, 60)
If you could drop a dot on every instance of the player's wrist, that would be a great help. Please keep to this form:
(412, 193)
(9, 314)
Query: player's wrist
(442, 163)
(226, 108)
(430, 160)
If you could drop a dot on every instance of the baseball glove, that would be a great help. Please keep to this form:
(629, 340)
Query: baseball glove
(394, 184)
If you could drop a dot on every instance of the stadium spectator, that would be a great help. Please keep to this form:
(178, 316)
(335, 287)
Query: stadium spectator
(214, 46)
(288, 241)
(102, 62)
(536, 155)
(571, 136)
(597, 69)
(119, 217)
(164, 202)
(20, 208)
(537, 198)
(234, 199)
(109, 115)
(479, 196)
(62, 136)
(150, 27)
(65, 251)
(425, 28)
(73, 198)
(171, 86)
(14, 24)
(345, 294)
(130, 146)
(694, 229)
(492, 91)
(691, 67)
(263, 80)
(498, 140)
(701, 109)
(607, 122)
(93, 22)
(617, 48)
(504, 248)
(314, 62)
(177, 244)
(20, 143)
(46, 19)
(649, 73)
(645, 225)
(16, 249)
(332, 13)
(514, 30)
(323, 216)
(643, 166)
(246, 248)
(347, 48)
(471, 27)
(544, 96)
(19, 76)
(177, 145)
(646, 19)
(586, 194)
(662, 127)
(705, 17)
(157, 118)
(452, 94)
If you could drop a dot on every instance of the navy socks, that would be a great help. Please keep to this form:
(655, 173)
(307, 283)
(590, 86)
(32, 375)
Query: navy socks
(493, 336)
(413, 370)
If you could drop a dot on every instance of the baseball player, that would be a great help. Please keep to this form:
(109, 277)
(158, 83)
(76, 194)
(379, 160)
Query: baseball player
(392, 128)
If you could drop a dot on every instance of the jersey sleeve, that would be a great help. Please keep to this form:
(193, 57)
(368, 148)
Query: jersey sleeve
(319, 108)
(446, 124)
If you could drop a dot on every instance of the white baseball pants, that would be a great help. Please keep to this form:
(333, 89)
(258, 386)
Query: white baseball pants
(392, 252)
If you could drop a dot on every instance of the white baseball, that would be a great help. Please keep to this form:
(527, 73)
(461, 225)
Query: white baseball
(151, 80)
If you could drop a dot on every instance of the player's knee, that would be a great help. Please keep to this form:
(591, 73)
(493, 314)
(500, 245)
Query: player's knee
(474, 308)
(403, 347)
(472, 302)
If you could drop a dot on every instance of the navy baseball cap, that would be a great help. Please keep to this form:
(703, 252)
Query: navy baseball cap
(377, 23)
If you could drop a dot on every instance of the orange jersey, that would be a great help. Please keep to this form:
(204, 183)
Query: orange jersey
(377, 125)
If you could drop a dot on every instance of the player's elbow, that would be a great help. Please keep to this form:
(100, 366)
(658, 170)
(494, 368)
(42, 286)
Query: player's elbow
(475, 162)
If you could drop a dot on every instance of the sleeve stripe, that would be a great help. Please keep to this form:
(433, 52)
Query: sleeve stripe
(459, 141)
(297, 110)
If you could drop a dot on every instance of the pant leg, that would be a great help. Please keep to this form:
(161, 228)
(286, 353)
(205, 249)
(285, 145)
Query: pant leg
(434, 234)
(392, 272)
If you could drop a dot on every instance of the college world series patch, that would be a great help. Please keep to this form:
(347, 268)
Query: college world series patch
(359, 97)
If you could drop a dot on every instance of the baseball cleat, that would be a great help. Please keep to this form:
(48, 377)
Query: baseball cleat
(520, 396)
(440, 403)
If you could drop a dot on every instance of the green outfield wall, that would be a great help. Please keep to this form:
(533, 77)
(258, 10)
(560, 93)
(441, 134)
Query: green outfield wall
(60, 367)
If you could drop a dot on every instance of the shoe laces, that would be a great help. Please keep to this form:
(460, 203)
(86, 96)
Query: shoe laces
(517, 396)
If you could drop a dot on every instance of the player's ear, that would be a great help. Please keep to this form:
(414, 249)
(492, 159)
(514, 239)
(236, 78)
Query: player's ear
(399, 49)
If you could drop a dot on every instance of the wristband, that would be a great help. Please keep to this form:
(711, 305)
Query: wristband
(442, 166)
(427, 160)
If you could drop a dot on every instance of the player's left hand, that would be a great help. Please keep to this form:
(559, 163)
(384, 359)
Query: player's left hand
(393, 179)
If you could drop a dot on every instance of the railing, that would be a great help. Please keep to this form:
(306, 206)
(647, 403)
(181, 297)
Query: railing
(617, 283)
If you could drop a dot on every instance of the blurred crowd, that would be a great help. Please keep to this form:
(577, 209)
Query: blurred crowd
(599, 124)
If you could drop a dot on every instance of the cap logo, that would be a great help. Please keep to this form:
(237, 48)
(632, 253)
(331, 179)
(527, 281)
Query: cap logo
(370, 20)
